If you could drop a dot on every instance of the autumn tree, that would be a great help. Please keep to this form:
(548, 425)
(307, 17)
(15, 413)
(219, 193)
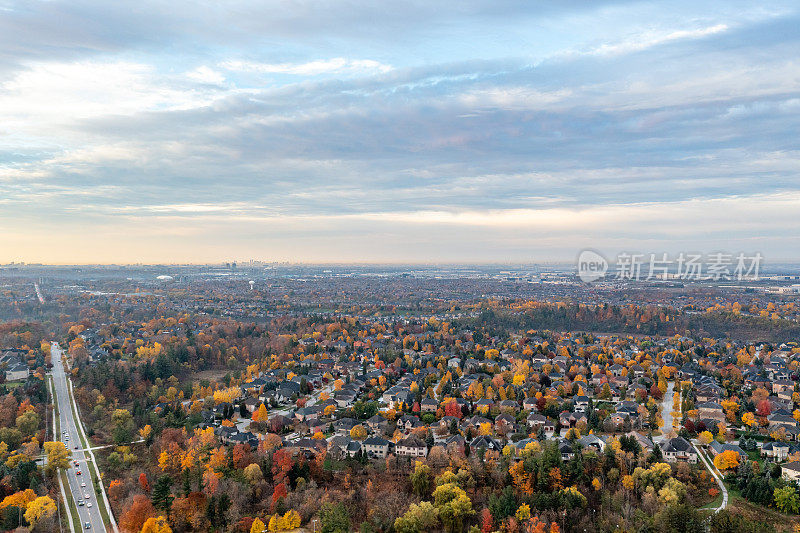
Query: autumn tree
(358, 432)
(134, 518)
(157, 524)
(454, 506)
(123, 427)
(58, 456)
(421, 479)
(726, 460)
(419, 518)
(258, 526)
(260, 415)
(39, 510)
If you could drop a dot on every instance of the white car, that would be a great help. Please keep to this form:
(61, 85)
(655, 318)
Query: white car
(89, 504)
(83, 485)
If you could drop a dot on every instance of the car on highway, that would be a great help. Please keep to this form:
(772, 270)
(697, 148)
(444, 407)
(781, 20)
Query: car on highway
(78, 473)
(87, 525)
(80, 503)
(89, 504)
(83, 485)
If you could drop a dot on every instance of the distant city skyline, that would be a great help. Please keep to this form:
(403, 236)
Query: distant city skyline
(448, 132)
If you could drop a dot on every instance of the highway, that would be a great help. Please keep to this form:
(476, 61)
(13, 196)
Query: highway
(80, 486)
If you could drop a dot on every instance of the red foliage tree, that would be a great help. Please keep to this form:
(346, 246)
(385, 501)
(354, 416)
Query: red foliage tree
(764, 408)
(452, 408)
(486, 521)
(280, 492)
(143, 483)
(281, 464)
(134, 518)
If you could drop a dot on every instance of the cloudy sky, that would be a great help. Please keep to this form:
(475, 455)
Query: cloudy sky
(364, 131)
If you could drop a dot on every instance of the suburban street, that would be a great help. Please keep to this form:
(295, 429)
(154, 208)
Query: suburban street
(80, 486)
(714, 473)
(667, 427)
(666, 411)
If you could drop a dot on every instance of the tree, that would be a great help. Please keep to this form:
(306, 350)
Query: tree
(162, 496)
(749, 419)
(358, 432)
(764, 408)
(253, 474)
(523, 513)
(156, 525)
(123, 426)
(42, 508)
(28, 423)
(683, 518)
(146, 432)
(418, 519)
(334, 518)
(705, 437)
(726, 460)
(260, 415)
(786, 500)
(134, 518)
(453, 504)
(487, 521)
(58, 455)
(258, 526)
(421, 479)
(291, 519)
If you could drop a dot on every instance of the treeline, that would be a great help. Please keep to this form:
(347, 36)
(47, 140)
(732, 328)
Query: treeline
(645, 320)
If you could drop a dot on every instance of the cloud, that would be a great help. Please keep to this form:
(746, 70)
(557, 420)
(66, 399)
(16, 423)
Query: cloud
(461, 138)
(651, 39)
(204, 74)
(338, 65)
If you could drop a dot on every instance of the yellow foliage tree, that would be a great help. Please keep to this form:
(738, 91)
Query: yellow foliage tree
(41, 508)
(726, 460)
(261, 415)
(18, 499)
(523, 513)
(257, 527)
(57, 454)
(358, 432)
(292, 519)
(156, 525)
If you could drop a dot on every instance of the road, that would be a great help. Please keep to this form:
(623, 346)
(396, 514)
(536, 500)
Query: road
(666, 414)
(714, 473)
(68, 424)
(39, 294)
(666, 411)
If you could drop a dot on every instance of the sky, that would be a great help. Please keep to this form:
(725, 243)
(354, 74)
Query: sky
(412, 132)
